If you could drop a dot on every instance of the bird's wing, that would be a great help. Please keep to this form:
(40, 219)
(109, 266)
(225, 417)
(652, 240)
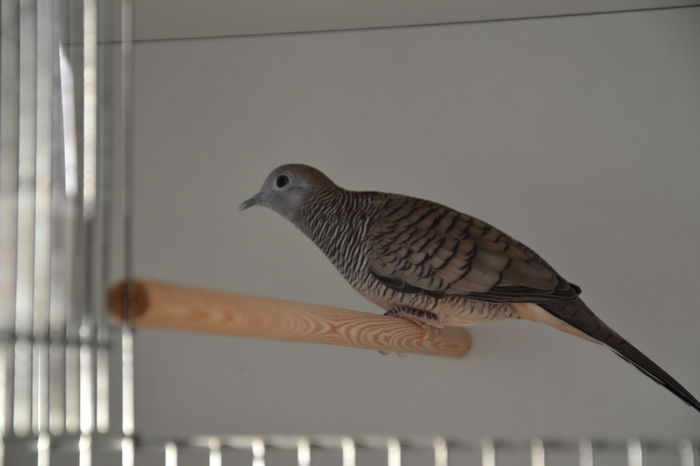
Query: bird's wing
(422, 247)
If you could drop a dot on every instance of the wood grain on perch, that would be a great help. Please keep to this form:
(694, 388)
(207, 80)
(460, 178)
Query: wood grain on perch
(167, 306)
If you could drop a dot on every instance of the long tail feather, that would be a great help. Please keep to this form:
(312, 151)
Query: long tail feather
(578, 315)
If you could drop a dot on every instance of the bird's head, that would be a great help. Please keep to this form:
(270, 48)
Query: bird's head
(287, 187)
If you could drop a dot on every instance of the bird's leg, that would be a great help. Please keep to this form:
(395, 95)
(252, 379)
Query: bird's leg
(426, 321)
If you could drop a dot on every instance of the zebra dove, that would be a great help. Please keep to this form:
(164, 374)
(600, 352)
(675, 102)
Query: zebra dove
(435, 266)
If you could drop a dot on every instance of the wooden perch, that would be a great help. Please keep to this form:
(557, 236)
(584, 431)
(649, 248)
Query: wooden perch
(161, 305)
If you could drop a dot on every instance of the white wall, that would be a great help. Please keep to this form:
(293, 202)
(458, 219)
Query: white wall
(578, 136)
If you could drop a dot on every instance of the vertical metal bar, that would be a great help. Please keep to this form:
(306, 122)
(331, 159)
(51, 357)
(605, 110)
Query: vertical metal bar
(127, 347)
(25, 223)
(170, 454)
(57, 352)
(393, 452)
(585, 452)
(687, 452)
(43, 449)
(537, 452)
(87, 411)
(9, 150)
(635, 453)
(89, 189)
(303, 452)
(72, 389)
(488, 452)
(89, 108)
(60, 237)
(73, 75)
(105, 86)
(214, 452)
(85, 450)
(126, 122)
(42, 220)
(69, 133)
(441, 451)
(102, 384)
(349, 451)
(127, 451)
(257, 447)
(63, 324)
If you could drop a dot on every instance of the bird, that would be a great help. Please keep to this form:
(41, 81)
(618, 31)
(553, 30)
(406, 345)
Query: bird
(425, 262)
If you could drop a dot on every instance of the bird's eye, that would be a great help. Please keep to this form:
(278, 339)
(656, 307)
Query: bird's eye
(282, 181)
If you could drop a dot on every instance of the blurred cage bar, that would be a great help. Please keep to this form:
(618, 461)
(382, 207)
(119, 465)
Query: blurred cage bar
(65, 132)
(66, 371)
(326, 450)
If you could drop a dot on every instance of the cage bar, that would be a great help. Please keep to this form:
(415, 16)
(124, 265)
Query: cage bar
(258, 450)
(348, 450)
(488, 452)
(585, 452)
(635, 453)
(537, 452)
(9, 151)
(441, 452)
(26, 195)
(170, 452)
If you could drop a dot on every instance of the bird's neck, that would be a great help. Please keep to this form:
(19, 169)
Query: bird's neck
(337, 221)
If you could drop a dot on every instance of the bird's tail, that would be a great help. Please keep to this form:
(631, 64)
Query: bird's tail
(579, 316)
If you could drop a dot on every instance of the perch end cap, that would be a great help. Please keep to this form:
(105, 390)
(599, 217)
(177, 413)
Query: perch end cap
(127, 299)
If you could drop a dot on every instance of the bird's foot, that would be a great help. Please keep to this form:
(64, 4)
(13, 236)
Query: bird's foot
(428, 322)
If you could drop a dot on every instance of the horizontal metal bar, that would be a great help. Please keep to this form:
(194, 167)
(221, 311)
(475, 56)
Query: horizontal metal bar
(247, 35)
(114, 443)
(13, 337)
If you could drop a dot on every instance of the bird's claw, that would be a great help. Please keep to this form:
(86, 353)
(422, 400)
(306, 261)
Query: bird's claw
(424, 320)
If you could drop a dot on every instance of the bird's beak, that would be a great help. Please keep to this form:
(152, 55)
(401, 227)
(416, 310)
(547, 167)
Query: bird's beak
(257, 199)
